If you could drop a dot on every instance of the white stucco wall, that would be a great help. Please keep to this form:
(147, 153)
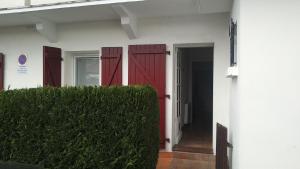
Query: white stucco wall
(39, 2)
(234, 115)
(267, 115)
(21, 3)
(12, 3)
(94, 35)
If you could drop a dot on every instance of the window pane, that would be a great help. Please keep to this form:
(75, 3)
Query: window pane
(87, 71)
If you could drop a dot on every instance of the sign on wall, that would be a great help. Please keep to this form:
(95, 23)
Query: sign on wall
(22, 64)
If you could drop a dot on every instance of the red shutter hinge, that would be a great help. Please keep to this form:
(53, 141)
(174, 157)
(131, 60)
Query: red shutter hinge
(165, 96)
(229, 145)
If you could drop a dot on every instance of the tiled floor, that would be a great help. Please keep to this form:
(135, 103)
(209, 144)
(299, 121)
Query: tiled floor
(164, 161)
(194, 151)
(195, 140)
(178, 160)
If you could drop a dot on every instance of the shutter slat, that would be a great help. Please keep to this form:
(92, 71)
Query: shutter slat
(52, 66)
(147, 66)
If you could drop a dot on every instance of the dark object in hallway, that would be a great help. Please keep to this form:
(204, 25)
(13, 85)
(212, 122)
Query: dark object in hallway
(222, 145)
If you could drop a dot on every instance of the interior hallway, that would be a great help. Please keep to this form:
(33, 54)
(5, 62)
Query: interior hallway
(195, 88)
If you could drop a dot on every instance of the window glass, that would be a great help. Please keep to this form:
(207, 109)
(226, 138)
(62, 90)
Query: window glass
(87, 71)
(233, 43)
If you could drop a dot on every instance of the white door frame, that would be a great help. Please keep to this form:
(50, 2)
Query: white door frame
(175, 121)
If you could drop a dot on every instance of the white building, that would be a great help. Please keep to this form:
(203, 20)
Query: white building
(182, 47)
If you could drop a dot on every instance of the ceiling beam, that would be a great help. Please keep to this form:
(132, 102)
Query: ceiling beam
(128, 21)
(48, 30)
(45, 27)
(27, 3)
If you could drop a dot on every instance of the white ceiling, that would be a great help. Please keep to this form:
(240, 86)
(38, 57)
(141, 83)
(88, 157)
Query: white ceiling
(152, 8)
(148, 8)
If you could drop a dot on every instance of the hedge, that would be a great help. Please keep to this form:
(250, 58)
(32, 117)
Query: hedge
(80, 127)
(15, 165)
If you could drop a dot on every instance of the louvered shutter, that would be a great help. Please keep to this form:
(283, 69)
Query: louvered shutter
(111, 66)
(147, 66)
(52, 66)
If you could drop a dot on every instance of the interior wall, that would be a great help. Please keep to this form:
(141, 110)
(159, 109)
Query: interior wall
(91, 36)
(234, 114)
(185, 76)
(181, 92)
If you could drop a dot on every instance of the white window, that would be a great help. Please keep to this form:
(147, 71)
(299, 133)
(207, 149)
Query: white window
(87, 71)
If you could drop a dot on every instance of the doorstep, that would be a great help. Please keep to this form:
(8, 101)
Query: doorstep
(185, 160)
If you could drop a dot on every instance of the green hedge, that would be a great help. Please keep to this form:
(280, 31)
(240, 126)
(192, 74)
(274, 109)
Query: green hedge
(80, 128)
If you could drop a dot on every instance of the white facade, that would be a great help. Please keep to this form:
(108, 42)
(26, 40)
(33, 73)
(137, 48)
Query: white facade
(265, 109)
(260, 107)
(91, 36)
(12, 4)
(26, 3)
(38, 2)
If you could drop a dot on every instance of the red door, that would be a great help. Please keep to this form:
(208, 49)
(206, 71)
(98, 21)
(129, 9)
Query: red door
(52, 66)
(147, 65)
(1, 71)
(111, 66)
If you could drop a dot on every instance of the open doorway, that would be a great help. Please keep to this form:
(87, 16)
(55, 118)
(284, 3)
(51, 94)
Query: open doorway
(195, 99)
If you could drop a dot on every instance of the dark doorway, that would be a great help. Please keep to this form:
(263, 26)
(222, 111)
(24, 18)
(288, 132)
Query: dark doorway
(202, 96)
(196, 96)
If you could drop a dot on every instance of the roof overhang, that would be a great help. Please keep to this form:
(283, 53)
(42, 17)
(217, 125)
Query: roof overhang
(45, 18)
(71, 4)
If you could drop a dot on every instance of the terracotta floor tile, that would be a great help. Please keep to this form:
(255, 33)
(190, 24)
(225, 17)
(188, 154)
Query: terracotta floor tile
(177, 160)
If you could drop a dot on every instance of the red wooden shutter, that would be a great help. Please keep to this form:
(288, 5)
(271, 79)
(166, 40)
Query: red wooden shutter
(147, 65)
(1, 71)
(111, 66)
(52, 66)
(221, 151)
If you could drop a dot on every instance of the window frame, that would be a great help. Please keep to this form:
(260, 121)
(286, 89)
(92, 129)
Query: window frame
(86, 56)
(233, 43)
